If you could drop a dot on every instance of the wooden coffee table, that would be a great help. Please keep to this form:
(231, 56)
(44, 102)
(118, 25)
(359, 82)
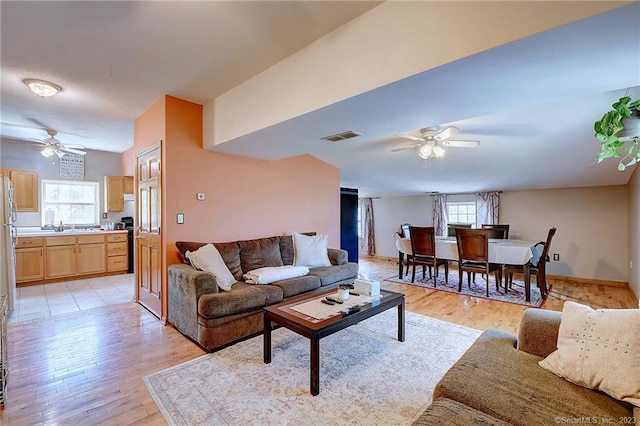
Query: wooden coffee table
(284, 315)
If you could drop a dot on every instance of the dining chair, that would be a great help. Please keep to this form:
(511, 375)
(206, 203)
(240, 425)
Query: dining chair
(423, 247)
(500, 232)
(405, 254)
(538, 266)
(451, 228)
(406, 233)
(473, 256)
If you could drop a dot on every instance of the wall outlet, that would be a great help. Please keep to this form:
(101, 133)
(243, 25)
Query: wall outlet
(180, 218)
(556, 257)
(104, 215)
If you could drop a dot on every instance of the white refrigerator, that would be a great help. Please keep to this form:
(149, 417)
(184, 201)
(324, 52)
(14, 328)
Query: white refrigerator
(8, 240)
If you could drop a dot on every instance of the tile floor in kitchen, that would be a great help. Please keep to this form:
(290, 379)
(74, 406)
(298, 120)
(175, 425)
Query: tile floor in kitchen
(46, 300)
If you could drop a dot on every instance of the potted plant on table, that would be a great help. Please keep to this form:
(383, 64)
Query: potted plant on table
(619, 133)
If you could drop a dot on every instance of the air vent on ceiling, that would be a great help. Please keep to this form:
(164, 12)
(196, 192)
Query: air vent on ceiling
(341, 136)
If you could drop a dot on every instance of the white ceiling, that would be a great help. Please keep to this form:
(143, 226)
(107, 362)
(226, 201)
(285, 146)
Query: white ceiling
(531, 103)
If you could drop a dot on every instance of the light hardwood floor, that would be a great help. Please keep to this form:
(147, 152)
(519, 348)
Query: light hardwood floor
(87, 367)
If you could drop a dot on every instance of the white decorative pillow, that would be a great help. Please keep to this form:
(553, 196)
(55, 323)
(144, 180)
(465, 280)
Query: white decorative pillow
(310, 251)
(599, 349)
(207, 258)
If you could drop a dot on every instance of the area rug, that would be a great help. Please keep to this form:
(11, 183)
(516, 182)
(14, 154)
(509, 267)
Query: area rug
(516, 293)
(367, 377)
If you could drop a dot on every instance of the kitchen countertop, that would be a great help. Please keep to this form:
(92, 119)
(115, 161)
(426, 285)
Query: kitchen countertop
(50, 233)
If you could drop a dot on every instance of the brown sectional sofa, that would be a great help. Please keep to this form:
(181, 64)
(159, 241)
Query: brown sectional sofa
(214, 318)
(498, 381)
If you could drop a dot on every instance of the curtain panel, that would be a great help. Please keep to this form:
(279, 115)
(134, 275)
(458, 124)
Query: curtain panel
(487, 208)
(367, 239)
(440, 214)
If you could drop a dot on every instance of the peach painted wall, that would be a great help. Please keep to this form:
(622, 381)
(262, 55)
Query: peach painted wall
(244, 197)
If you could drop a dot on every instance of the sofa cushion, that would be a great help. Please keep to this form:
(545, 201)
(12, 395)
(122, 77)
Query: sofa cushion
(185, 246)
(335, 274)
(207, 258)
(259, 253)
(294, 286)
(230, 253)
(286, 247)
(310, 251)
(444, 411)
(242, 298)
(596, 352)
(496, 378)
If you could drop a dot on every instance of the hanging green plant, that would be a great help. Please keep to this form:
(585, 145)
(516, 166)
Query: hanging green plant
(619, 133)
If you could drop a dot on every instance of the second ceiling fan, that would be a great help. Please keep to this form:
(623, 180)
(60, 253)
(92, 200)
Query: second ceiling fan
(432, 141)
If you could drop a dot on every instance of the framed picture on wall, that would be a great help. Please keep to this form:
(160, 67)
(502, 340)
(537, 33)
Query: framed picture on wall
(72, 166)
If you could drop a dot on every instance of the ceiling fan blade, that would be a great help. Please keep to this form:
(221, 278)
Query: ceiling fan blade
(38, 140)
(460, 143)
(406, 147)
(73, 150)
(410, 137)
(446, 133)
(26, 143)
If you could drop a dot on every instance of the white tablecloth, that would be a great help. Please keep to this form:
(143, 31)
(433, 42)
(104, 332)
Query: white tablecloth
(513, 252)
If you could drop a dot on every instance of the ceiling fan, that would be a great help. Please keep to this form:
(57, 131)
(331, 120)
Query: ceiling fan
(51, 146)
(432, 141)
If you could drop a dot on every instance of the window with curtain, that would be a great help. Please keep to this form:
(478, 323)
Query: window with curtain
(461, 212)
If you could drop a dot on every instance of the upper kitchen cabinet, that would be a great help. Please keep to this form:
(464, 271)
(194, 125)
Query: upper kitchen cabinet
(114, 193)
(128, 184)
(25, 184)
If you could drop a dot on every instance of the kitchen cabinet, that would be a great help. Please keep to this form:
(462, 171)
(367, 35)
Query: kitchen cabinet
(91, 255)
(114, 193)
(128, 184)
(51, 256)
(25, 183)
(66, 256)
(117, 252)
(29, 259)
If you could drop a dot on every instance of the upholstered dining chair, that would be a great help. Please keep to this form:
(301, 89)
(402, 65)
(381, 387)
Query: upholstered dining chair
(423, 247)
(538, 267)
(451, 228)
(473, 256)
(497, 231)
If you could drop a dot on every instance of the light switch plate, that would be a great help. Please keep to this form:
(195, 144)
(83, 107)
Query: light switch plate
(180, 218)
(200, 196)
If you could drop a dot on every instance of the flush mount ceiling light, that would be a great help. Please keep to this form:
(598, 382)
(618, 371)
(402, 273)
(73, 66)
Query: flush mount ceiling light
(42, 88)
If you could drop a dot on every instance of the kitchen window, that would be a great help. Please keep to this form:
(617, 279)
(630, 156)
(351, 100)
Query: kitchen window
(70, 202)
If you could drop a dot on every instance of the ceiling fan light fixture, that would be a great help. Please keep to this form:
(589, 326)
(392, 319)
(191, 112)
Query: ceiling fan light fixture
(425, 151)
(439, 152)
(42, 88)
(59, 153)
(47, 152)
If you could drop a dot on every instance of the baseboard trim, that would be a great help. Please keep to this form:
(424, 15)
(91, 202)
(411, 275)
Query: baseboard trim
(591, 281)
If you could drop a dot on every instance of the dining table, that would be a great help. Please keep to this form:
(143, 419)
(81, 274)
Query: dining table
(501, 251)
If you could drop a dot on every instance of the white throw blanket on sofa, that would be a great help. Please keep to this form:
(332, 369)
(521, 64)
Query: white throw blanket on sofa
(270, 274)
